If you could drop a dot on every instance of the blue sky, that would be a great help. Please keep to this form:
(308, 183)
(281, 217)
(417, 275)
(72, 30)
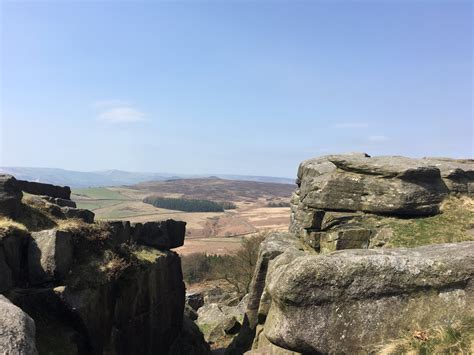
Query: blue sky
(244, 87)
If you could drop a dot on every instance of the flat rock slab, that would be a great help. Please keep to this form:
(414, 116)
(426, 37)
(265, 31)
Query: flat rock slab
(351, 300)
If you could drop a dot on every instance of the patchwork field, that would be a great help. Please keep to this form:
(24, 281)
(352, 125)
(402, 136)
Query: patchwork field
(211, 232)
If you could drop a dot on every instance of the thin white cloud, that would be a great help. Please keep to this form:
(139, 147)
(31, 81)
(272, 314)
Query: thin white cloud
(117, 111)
(121, 114)
(344, 125)
(379, 138)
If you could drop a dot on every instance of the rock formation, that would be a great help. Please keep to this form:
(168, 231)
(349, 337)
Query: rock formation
(358, 298)
(323, 288)
(108, 287)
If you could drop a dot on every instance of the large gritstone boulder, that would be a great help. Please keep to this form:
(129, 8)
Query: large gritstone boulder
(50, 255)
(17, 330)
(10, 196)
(351, 300)
(38, 188)
(161, 235)
(389, 185)
(258, 301)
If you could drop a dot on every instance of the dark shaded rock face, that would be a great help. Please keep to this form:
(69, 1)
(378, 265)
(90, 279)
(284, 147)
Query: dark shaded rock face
(38, 188)
(162, 235)
(351, 300)
(458, 174)
(79, 213)
(10, 196)
(50, 256)
(140, 314)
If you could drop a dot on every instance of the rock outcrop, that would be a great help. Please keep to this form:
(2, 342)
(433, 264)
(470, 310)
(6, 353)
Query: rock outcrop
(17, 330)
(320, 289)
(351, 300)
(162, 235)
(10, 196)
(50, 256)
(108, 287)
(457, 174)
(38, 188)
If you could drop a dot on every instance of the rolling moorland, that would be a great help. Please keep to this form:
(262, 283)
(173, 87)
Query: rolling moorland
(212, 232)
(114, 177)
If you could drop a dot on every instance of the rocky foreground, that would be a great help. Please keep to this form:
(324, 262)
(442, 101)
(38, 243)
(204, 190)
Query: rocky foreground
(333, 285)
(73, 286)
(378, 249)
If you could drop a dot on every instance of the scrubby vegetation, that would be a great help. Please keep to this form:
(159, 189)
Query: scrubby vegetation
(454, 224)
(236, 269)
(188, 205)
(456, 338)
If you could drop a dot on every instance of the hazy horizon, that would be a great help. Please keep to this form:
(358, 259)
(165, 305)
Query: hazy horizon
(238, 88)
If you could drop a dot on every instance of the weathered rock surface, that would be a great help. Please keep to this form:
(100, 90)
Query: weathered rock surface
(274, 245)
(38, 188)
(142, 314)
(161, 235)
(351, 300)
(218, 320)
(17, 330)
(458, 174)
(10, 196)
(389, 185)
(79, 213)
(50, 256)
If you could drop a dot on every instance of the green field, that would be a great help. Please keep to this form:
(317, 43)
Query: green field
(97, 197)
(99, 193)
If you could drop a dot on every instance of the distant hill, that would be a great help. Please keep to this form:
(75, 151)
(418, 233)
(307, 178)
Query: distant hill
(217, 189)
(80, 179)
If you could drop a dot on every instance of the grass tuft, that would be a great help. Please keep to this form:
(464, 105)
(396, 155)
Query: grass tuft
(455, 338)
(454, 224)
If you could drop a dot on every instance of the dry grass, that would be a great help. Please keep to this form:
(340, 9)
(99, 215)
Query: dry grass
(455, 338)
(7, 224)
(113, 265)
(146, 254)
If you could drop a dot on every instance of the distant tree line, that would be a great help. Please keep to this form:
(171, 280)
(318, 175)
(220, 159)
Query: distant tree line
(278, 204)
(188, 205)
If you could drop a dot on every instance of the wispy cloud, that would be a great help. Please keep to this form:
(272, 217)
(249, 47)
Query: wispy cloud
(379, 138)
(116, 111)
(344, 125)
